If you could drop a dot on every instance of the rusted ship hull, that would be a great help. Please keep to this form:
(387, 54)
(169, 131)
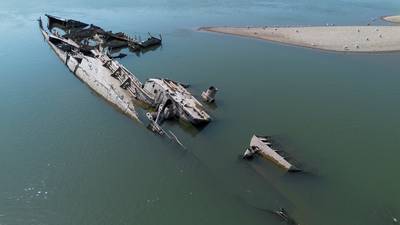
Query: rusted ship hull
(92, 72)
(82, 52)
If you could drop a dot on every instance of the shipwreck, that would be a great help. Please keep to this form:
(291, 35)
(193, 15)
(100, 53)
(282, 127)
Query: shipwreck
(261, 145)
(85, 50)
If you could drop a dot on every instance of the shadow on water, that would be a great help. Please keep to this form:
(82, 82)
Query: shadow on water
(185, 126)
(211, 105)
(137, 52)
(145, 50)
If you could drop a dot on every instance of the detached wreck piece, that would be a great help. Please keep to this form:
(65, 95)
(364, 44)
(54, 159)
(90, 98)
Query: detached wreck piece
(209, 94)
(83, 49)
(262, 146)
(283, 215)
(151, 41)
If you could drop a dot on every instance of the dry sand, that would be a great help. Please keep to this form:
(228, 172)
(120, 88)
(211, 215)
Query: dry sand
(392, 19)
(332, 38)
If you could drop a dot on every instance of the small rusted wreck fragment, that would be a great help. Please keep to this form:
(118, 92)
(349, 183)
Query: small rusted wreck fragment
(261, 145)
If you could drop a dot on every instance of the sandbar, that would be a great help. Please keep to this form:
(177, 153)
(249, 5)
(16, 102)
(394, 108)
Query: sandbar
(331, 38)
(392, 19)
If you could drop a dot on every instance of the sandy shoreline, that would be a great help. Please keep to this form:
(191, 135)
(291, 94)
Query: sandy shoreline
(331, 38)
(392, 19)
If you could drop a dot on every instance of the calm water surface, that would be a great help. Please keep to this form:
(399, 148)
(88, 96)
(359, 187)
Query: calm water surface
(67, 157)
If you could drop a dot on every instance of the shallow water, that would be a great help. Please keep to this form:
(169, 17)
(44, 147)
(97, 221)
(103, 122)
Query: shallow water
(67, 157)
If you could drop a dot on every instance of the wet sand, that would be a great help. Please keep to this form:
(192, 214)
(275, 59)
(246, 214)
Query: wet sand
(332, 38)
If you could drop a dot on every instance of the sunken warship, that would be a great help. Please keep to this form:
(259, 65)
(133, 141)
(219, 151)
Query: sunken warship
(84, 49)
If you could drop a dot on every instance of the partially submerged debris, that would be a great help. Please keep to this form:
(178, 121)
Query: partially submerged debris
(151, 41)
(94, 68)
(65, 23)
(85, 50)
(92, 35)
(119, 56)
(176, 100)
(283, 214)
(250, 152)
(209, 94)
(155, 125)
(262, 146)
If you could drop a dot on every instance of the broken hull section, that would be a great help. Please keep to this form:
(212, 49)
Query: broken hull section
(98, 78)
(262, 146)
(59, 22)
(177, 100)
